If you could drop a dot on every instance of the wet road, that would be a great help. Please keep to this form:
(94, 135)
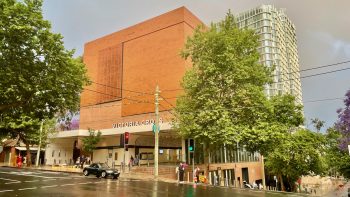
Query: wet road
(22, 182)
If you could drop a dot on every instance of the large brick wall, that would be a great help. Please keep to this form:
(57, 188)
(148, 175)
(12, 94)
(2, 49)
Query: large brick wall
(126, 66)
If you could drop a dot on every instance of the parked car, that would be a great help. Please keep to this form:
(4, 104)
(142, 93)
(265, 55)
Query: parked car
(101, 170)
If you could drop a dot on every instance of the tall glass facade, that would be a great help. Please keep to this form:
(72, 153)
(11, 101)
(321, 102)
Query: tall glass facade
(278, 47)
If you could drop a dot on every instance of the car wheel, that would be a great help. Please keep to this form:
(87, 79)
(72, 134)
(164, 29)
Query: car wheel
(103, 174)
(86, 173)
(115, 177)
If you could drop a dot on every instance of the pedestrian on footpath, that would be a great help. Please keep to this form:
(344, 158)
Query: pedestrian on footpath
(82, 161)
(19, 161)
(181, 172)
(196, 173)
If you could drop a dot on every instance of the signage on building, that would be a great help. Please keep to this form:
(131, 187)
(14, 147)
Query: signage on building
(135, 123)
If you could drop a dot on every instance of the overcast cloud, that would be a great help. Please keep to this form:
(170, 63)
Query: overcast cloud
(322, 33)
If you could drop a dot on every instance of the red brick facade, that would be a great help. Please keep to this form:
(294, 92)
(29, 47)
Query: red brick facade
(126, 66)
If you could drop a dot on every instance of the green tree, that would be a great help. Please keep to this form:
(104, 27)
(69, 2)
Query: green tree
(38, 76)
(337, 159)
(284, 117)
(299, 153)
(318, 124)
(90, 142)
(224, 89)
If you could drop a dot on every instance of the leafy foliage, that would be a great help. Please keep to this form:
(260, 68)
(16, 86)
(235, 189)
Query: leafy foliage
(90, 142)
(343, 123)
(224, 101)
(38, 76)
(337, 160)
(284, 116)
(224, 90)
(298, 154)
(48, 130)
(318, 124)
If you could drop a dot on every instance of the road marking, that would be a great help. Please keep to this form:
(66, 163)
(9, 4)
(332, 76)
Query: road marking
(28, 188)
(13, 182)
(9, 190)
(49, 180)
(31, 181)
(83, 183)
(9, 179)
(26, 174)
(49, 186)
(67, 184)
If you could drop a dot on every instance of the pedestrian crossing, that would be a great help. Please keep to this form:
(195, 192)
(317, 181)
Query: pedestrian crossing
(21, 180)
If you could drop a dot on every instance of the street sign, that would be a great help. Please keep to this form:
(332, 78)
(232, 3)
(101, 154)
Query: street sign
(154, 128)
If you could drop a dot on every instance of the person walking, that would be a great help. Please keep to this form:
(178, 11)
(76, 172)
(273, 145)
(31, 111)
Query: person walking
(19, 161)
(181, 172)
(196, 173)
(82, 161)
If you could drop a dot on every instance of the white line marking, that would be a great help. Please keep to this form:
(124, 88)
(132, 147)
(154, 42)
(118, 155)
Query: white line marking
(13, 182)
(9, 190)
(31, 181)
(28, 188)
(49, 180)
(8, 179)
(28, 174)
(83, 183)
(49, 186)
(67, 184)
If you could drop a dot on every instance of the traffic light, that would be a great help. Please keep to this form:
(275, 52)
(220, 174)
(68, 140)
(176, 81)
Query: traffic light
(191, 145)
(126, 141)
(126, 136)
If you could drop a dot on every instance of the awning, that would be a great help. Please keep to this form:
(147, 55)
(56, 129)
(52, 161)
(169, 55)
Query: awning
(30, 148)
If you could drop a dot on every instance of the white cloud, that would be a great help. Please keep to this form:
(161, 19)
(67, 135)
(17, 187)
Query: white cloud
(338, 46)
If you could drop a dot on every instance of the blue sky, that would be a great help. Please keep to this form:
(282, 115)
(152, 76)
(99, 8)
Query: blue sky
(322, 34)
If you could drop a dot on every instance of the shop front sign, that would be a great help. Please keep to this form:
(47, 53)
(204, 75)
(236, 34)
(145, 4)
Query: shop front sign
(135, 123)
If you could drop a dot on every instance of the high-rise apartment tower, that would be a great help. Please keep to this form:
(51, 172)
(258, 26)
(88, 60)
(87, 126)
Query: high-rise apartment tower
(278, 47)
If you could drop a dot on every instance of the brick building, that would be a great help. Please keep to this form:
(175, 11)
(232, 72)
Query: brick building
(125, 68)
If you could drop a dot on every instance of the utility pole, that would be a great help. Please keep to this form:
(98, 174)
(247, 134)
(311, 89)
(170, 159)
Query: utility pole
(156, 133)
(39, 146)
(225, 161)
(263, 172)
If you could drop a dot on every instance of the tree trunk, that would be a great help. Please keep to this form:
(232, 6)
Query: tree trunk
(281, 182)
(29, 160)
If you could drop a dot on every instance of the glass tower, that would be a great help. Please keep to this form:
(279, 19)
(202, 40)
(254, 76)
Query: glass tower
(278, 47)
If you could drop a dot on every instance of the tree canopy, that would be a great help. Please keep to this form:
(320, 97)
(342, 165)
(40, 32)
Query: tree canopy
(38, 76)
(297, 154)
(224, 100)
(343, 123)
(90, 142)
(224, 89)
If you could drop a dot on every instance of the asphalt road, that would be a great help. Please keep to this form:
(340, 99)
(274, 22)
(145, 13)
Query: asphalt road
(23, 182)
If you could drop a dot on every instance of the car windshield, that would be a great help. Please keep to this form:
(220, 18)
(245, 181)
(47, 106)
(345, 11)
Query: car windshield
(103, 165)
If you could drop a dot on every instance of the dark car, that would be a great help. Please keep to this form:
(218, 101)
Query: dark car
(101, 170)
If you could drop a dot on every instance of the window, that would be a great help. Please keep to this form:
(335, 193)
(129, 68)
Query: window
(53, 153)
